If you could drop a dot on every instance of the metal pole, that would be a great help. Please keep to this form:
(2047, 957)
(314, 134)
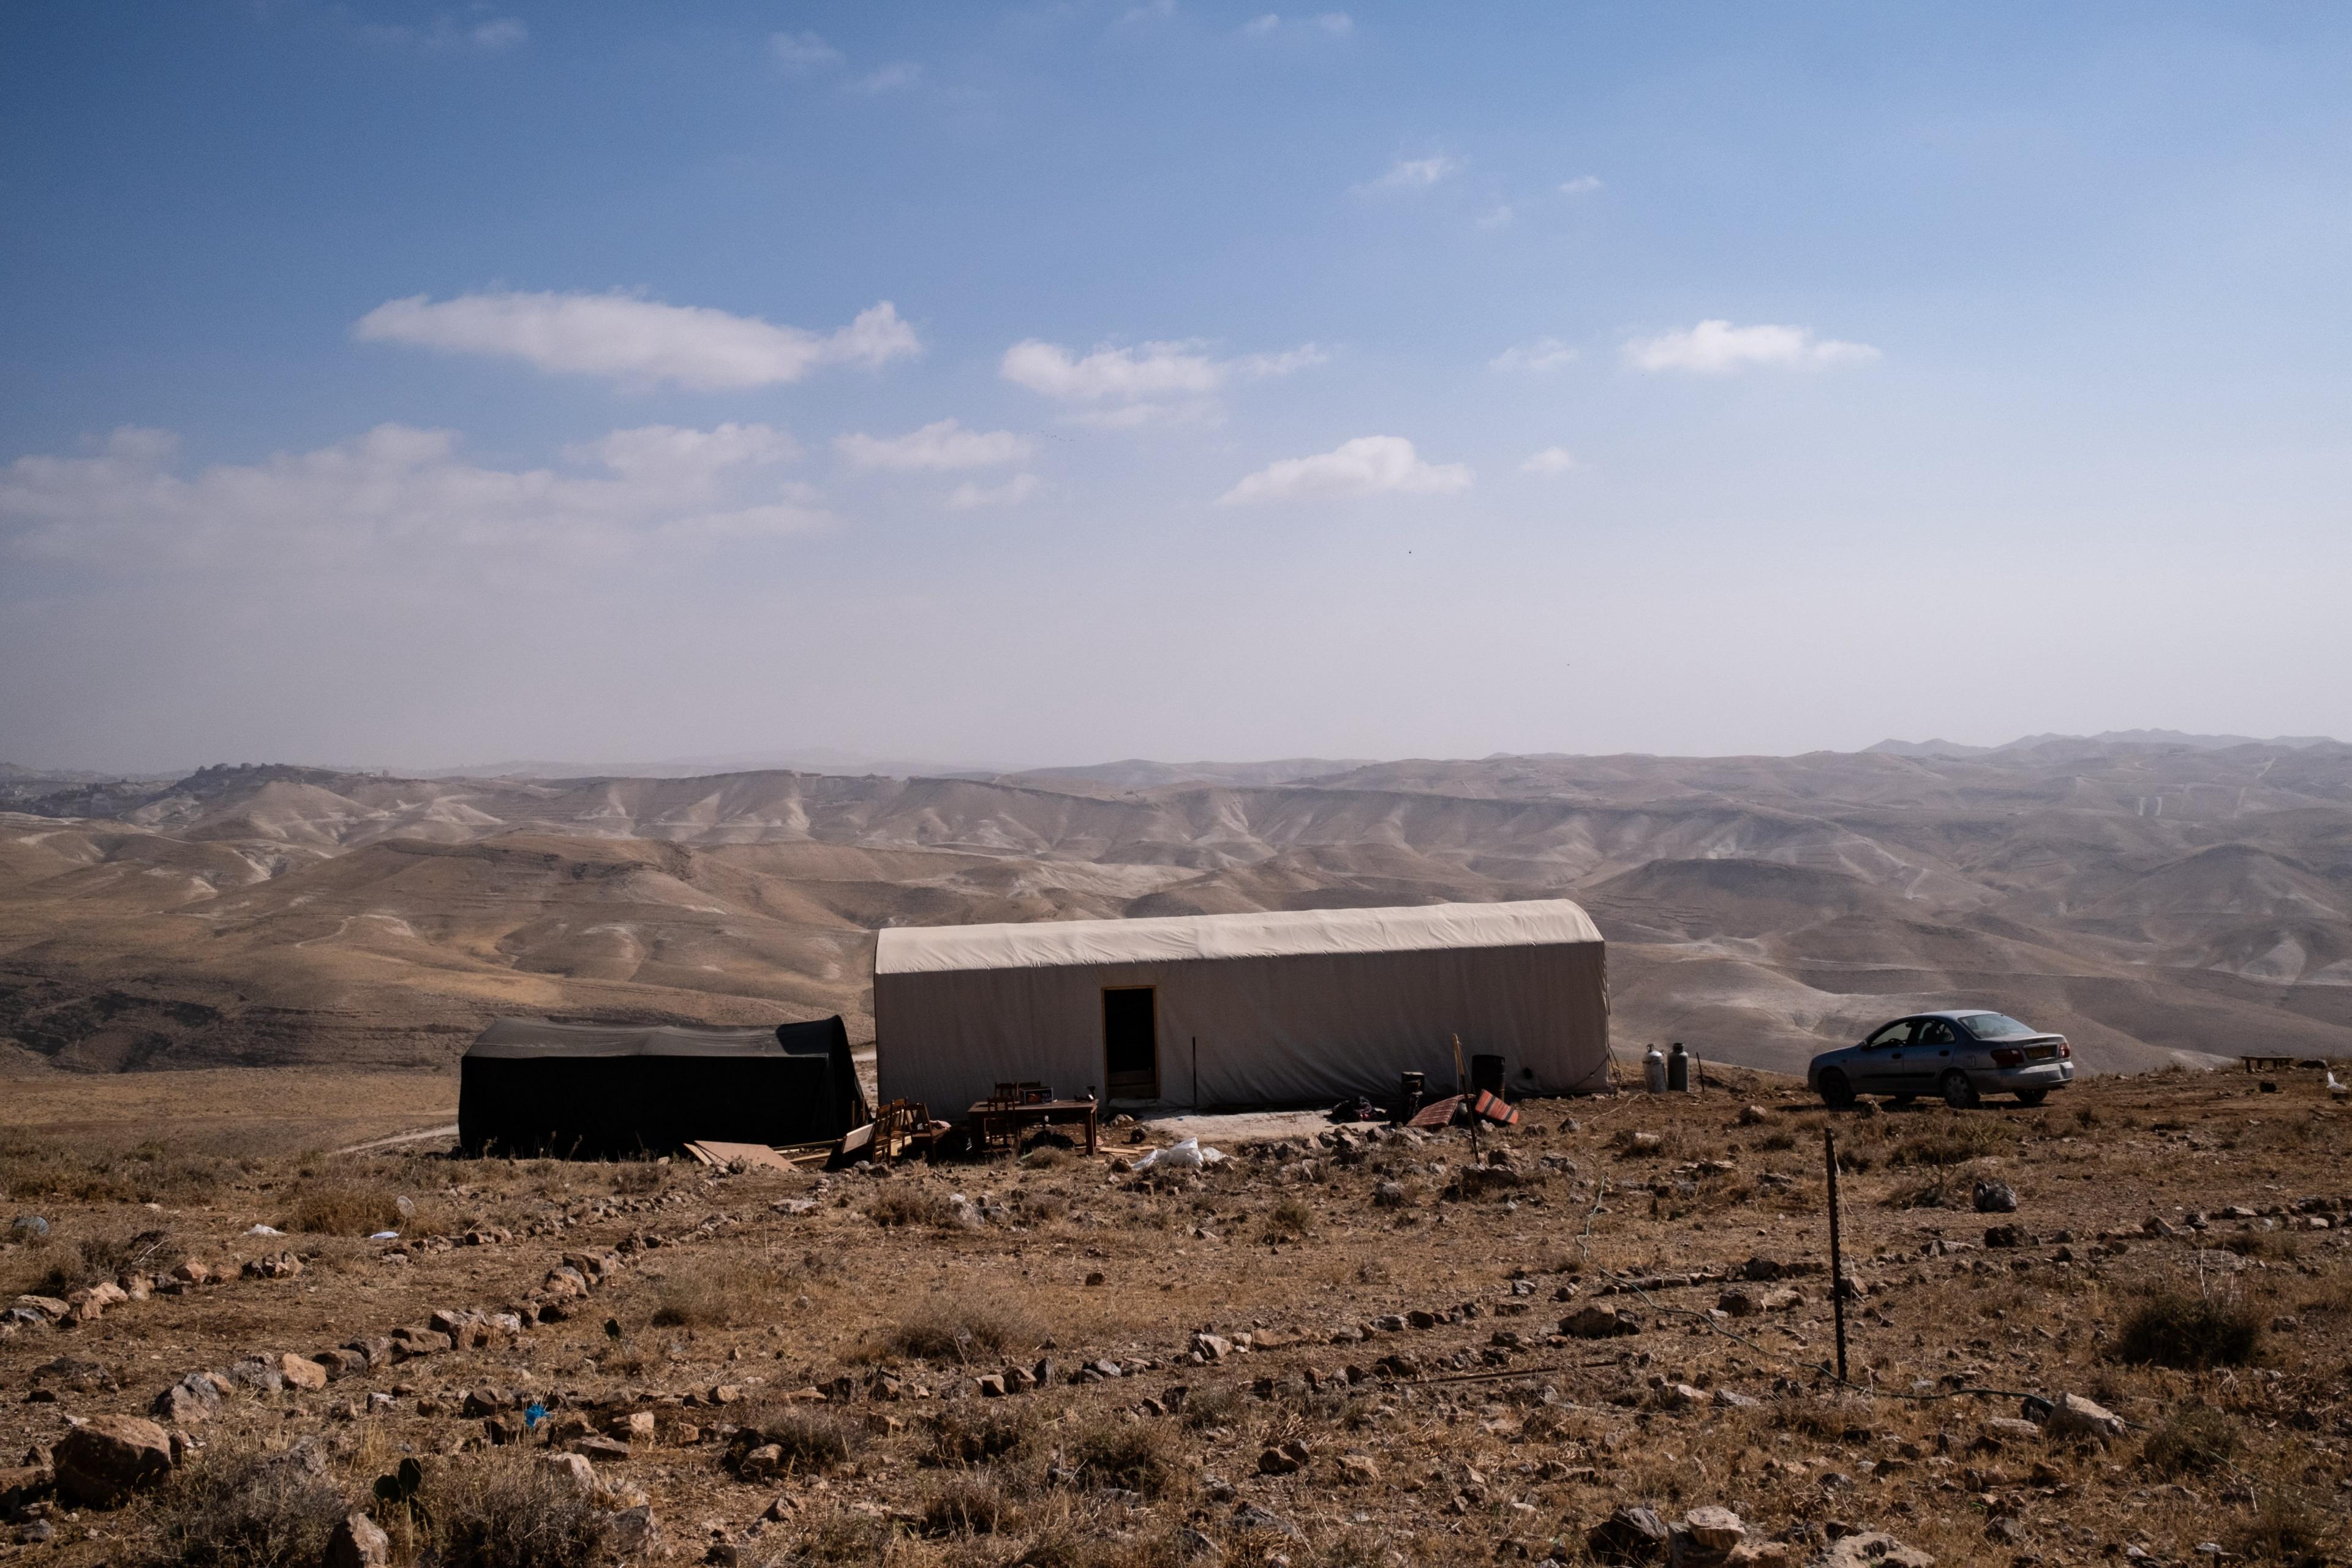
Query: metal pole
(1837, 1256)
(1196, 1072)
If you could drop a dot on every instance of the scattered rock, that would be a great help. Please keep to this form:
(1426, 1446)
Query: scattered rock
(1598, 1323)
(573, 1468)
(2074, 1415)
(358, 1543)
(108, 1458)
(1628, 1535)
(1249, 1516)
(1871, 1549)
(2001, 1235)
(1994, 1198)
(1359, 1469)
(301, 1371)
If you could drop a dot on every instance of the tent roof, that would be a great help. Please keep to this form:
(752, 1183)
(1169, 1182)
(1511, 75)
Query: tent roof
(523, 1037)
(922, 949)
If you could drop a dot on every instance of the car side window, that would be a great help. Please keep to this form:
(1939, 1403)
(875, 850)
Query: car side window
(1936, 1032)
(1892, 1035)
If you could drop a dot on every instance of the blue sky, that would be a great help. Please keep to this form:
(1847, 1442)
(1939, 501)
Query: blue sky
(408, 385)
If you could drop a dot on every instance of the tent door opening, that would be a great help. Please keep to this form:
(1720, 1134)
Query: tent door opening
(1130, 1042)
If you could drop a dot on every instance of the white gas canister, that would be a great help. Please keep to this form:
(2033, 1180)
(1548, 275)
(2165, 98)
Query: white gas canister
(1653, 1071)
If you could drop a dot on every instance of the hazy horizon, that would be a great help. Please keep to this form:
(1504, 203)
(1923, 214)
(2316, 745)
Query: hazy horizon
(1166, 380)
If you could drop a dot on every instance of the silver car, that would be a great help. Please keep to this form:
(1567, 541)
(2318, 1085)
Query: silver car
(1960, 1056)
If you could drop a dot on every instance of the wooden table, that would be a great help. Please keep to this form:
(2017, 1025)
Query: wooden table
(996, 1124)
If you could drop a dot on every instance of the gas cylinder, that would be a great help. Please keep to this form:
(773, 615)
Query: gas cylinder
(1653, 1071)
(1678, 1069)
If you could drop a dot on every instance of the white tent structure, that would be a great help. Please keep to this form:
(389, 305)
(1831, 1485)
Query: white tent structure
(1288, 1008)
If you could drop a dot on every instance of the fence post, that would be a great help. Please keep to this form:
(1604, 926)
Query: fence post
(1837, 1256)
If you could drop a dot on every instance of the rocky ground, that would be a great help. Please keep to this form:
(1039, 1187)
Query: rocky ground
(1603, 1335)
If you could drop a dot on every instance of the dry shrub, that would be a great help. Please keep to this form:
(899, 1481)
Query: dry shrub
(1136, 1455)
(965, 1505)
(1956, 1141)
(957, 1435)
(911, 1205)
(343, 1209)
(98, 1258)
(147, 1173)
(640, 1178)
(944, 1330)
(2288, 1527)
(246, 1509)
(503, 1511)
(1045, 1156)
(1205, 1408)
(1041, 1207)
(845, 1537)
(1288, 1220)
(1776, 1142)
(2189, 1333)
(718, 1291)
(811, 1439)
(2193, 1439)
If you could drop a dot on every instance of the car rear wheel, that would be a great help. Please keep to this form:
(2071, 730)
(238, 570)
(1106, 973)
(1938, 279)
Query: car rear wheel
(1959, 1092)
(2031, 1097)
(1836, 1089)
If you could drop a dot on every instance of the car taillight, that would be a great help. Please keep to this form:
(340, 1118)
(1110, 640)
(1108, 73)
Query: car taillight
(2064, 1049)
(2008, 1057)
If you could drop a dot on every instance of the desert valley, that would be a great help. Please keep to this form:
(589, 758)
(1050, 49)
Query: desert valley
(2157, 900)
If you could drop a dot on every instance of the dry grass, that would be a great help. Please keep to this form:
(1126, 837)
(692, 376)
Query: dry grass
(1133, 1455)
(343, 1209)
(908, 1204)
(968, 1434)
(2192, 1440)
(98, 1258)
(2171, 1328)
(956, 1332)
(719, 1291)
(245, 1508)
(499, 1510)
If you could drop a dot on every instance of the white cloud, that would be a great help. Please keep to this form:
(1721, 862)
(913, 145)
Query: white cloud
(944, 444)
(400, 499)
(969, 494)
(1550, 460)
(893, 77)
(802, 51)
(1161, 383)
(1331, 24)
(1416, 174)
(1583, 184)
(637, 340)
(447, 36)
(1137, 416)
(1718, 348)
(1539, 354)
(1369, 465)
(1499, 216)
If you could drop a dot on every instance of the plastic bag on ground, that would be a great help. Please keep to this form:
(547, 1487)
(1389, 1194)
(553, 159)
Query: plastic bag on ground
(1187, 1155)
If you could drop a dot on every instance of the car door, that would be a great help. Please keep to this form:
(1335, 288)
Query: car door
(1878, 1065)
(1934, 1051)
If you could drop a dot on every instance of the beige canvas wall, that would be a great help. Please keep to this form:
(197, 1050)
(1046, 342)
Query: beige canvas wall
(1288, 1029)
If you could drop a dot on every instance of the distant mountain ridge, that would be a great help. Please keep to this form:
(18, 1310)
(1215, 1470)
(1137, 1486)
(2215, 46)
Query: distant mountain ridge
(1939, 747)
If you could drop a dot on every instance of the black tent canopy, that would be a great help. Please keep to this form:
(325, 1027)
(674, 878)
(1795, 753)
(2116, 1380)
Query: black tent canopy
(527, 1085)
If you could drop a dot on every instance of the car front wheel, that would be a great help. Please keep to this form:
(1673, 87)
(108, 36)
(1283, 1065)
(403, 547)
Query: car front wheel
(1959, 1092)
(1836, 1089)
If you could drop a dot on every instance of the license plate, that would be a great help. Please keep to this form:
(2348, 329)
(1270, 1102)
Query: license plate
(2040, 1053)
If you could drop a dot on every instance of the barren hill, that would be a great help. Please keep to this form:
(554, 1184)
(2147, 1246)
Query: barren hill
(2151, 899)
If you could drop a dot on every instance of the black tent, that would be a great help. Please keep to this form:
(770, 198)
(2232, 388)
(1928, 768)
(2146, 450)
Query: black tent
(530, 1087)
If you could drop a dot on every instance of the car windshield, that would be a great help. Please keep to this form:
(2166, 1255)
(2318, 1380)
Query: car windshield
(1996, 1027)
